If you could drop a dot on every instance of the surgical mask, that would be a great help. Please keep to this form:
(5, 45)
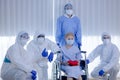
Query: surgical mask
(69, 42)
(41, 40)
(106, 41)
(69, 12)
(24, 41)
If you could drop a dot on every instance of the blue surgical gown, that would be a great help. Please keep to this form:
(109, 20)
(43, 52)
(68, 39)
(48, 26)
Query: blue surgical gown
(68, 25)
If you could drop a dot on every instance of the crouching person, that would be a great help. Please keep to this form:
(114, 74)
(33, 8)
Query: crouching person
(15, 65)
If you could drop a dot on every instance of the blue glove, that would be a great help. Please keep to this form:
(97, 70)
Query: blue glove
(33, 75)
(50, 57)
(58, 45)
(79, 46)
(44, 53)
(101, 73)
(87, 61)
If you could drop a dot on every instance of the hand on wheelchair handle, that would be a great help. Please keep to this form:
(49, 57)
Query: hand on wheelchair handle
(87, 61)
(79, 46)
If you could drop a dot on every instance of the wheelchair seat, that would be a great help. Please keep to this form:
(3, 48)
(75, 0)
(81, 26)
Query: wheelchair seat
(83, 66)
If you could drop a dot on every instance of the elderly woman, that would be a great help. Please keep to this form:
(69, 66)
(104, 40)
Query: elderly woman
(71, 57)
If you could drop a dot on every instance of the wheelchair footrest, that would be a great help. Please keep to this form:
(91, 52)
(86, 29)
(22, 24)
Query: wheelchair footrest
(84, 77)
(65, 78)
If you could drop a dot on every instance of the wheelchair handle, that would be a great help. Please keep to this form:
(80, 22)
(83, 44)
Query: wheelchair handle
(57, 52)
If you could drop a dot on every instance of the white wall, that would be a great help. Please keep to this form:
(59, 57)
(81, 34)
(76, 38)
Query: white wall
(96, 15)
(28, 15)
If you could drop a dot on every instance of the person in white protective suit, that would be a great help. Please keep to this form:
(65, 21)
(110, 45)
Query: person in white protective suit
(38, 48)
(15, 65)
(109, 59)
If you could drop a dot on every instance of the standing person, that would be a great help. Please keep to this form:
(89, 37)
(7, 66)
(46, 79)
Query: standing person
(38, 48)
(109, 59)
(68, 23)
(71, 57)
(15, 65)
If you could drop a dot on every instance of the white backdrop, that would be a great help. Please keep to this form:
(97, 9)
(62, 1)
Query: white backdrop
(96, 17)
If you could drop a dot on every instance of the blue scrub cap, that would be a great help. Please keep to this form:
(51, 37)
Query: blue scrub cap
(68, 6)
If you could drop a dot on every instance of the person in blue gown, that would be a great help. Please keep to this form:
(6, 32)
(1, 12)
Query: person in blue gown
(68, 23)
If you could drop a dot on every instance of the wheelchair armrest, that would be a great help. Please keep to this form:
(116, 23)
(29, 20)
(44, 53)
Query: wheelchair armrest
(83, 51)
(82, 64)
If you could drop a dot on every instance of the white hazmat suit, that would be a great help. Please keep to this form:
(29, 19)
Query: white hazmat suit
(109, 58)
(35, 48)
(15, 65)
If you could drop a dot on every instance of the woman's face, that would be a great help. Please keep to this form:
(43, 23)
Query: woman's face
(69, 37)
(70, 40)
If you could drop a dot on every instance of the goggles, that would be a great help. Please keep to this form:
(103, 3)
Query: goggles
(41, 35)
(25, 36)
(106, 37)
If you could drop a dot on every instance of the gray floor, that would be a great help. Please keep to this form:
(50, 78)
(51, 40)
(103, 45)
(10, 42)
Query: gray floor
(89, 79)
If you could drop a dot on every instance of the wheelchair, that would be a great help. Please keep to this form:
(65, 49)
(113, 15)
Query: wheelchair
(57, 73)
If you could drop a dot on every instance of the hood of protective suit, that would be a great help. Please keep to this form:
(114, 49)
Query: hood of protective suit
(68, 5)
(35, 37)
(106, 41)
(105, 34)
(18, 38)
